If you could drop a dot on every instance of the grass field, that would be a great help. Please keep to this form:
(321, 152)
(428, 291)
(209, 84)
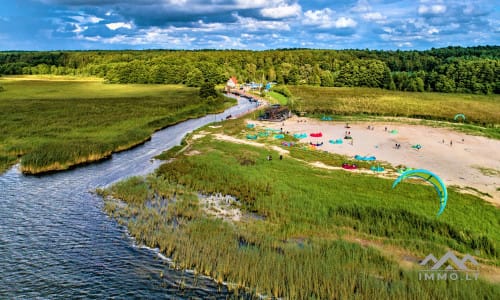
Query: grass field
(480, 110)
(55, 123)
(309, 233)
(277, 98)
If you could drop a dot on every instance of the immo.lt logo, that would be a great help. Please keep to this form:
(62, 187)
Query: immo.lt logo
(449, 267)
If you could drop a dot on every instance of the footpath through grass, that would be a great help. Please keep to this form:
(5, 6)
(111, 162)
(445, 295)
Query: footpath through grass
(296, 239)
(57, 123)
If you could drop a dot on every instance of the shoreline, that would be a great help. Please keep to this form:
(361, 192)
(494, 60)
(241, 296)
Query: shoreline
(98, 157)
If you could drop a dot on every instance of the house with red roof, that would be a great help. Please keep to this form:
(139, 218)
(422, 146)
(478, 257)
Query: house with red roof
(232, 83)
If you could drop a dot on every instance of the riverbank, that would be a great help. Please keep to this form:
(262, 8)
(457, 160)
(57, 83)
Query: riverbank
(301, 231)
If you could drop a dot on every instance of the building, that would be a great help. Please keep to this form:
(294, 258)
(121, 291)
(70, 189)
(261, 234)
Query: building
(232, 83)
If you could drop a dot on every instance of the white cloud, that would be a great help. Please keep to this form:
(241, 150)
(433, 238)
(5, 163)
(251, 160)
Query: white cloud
(432, 30)
(79, 29)
(87, 19)
(405, 44)
(432, 9)
(282, 11)
(150, 36)
(324, 19)
(344, 22)
(243, 4)
(374, 16)
(118, 25)
(252, 24)
(361, 6)
(321, 18)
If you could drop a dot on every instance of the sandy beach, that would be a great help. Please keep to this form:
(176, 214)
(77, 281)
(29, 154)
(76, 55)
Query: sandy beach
(458, 163)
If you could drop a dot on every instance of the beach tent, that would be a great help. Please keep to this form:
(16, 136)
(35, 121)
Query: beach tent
(364, 158)
(349, 166)
(377, 168)
(337, 141)
(300, 135)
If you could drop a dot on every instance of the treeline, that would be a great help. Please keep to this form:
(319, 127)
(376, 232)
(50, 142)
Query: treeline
(452, 69)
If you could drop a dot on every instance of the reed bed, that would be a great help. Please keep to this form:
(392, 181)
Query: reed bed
(291, 243)
(53, 125)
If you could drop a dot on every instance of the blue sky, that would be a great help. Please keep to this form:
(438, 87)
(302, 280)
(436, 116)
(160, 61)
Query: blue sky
(241, 24)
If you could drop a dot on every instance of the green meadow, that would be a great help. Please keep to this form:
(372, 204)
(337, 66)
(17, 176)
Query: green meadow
(306, 233)
(52, 123)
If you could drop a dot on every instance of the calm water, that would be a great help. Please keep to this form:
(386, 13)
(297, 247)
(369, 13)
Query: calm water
(56, 241)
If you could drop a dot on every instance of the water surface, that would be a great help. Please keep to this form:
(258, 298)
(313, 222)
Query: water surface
(56, 241)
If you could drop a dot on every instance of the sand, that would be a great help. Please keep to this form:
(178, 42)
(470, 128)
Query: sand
(457, 164)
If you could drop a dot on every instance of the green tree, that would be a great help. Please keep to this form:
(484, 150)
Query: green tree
(207, 90)
(387, 81)
(271, 74)
(195, 78)
(420, 84)
(326, 78)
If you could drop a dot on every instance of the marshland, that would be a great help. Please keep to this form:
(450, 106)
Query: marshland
(55, 122)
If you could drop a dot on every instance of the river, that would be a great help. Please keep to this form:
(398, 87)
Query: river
(56, 241)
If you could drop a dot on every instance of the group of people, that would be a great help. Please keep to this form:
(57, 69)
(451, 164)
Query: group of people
(270, 157)
(398, 146)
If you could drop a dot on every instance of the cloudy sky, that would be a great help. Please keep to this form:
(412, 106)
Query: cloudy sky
(247, 24)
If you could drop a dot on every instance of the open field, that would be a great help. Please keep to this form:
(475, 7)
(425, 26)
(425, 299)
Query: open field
(479, 109)
(57, 123)
(304, 232)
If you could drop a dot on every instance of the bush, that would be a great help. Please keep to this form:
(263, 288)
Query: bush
(283, 90)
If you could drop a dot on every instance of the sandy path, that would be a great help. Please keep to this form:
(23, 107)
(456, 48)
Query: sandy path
(456, 164)
(231, 139)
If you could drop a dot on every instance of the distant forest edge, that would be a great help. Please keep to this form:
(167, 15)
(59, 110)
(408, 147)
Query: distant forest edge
(449, 70)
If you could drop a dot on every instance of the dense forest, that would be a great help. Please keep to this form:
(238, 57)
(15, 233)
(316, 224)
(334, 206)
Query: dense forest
(451, 69)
